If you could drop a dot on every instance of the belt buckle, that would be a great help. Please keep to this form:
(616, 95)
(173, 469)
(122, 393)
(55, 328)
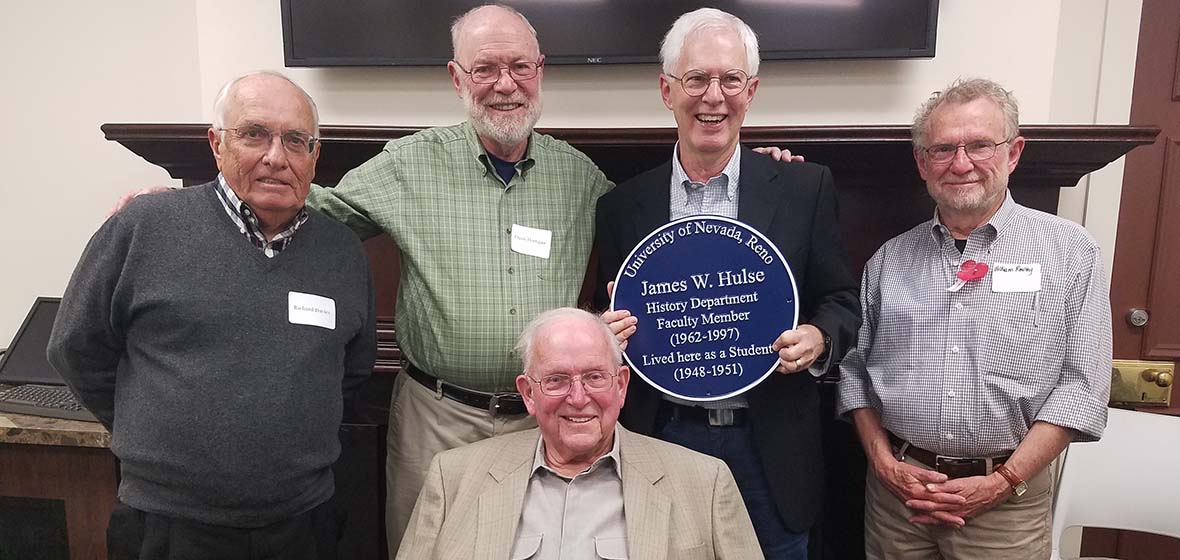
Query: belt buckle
(720, 417)
(957, 467)
(494, 401)
(493, 404)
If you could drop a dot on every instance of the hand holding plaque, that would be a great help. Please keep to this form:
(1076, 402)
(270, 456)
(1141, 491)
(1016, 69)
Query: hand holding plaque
(711, 296)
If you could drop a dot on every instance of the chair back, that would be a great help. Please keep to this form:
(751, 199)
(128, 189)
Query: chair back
(1127, 480)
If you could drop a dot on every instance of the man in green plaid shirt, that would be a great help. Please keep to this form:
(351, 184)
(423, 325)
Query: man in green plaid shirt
(495, 224)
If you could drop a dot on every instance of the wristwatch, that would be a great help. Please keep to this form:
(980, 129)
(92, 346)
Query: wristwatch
(827, 348)
(1019, 487)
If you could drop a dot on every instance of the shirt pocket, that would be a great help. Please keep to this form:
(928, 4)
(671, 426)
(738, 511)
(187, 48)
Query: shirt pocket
(611, 548)
(568, 253)
(526, 547)
(1016, 354)
(1012, 325)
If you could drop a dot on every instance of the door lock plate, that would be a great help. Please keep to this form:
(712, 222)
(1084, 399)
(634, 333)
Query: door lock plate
(1141, 383)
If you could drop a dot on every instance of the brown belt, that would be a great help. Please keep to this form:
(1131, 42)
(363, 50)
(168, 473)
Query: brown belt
(497, 404)
(953, 467)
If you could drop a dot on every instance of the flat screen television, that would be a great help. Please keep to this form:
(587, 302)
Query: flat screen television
(417, 32)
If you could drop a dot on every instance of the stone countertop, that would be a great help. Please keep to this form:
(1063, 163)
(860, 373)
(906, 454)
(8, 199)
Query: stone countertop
(36, 430)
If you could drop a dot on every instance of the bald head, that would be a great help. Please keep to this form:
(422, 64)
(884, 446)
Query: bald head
(266, 80)
(492, 26)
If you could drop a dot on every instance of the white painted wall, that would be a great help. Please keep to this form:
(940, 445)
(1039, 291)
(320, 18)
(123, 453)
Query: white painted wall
(82, 64)
(67, 68)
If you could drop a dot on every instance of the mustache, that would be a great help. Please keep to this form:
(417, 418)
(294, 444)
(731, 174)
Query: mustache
(498, 99)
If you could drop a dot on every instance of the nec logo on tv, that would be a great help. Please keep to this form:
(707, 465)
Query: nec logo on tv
(594, 60)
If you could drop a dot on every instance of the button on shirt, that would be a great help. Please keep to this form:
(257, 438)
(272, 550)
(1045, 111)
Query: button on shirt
(573, 518)
(465, 295)
(247, 222)
(966, 373)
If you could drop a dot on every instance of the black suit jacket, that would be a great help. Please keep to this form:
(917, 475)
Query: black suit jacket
(793, 204)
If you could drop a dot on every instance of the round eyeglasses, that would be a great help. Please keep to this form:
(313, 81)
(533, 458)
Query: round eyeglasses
(520, 71)
(696, 82)
(260, 137)
(978, 150)
(560, 384)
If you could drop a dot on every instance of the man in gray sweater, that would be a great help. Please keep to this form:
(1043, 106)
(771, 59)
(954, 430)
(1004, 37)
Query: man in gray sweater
(214, 330)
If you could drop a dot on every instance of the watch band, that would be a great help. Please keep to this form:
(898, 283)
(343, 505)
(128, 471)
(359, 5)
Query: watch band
(827, 348)
(1018, 485)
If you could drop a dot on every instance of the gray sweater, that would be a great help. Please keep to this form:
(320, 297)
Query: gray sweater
(181, 337)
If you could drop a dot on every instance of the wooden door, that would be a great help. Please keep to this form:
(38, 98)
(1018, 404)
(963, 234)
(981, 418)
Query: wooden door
(1146, 272)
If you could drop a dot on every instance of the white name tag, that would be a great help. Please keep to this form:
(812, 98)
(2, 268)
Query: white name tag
(531, 241)
(1016, 277)
(309, 309)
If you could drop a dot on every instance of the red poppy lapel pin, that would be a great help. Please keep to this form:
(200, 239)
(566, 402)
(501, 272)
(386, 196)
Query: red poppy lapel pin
(969, 271)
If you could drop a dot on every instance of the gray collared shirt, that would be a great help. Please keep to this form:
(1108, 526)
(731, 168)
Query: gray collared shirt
(966, 373)
(717, 196)
(573, 518)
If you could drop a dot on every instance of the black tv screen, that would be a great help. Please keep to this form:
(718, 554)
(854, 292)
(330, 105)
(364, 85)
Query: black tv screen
(417, 33)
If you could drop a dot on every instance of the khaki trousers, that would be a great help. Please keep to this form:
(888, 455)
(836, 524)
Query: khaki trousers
(421, 425)
(1018, 528)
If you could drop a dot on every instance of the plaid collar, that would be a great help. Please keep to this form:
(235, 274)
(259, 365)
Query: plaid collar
(243, 217)
(728, 179)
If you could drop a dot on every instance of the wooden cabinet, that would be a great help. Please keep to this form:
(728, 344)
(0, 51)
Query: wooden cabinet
(57, 488)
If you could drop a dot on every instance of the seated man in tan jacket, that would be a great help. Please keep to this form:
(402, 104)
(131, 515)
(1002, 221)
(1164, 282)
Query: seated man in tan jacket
(580, 485)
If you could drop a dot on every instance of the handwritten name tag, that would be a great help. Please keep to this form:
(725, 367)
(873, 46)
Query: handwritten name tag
(1016, 277)
(310, 309)
(531, 241)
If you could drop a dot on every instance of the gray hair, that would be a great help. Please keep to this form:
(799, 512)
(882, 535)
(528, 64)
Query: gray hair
(701, 20)
(542, 322)
(457, 26)
(965, 91)
(221, 102)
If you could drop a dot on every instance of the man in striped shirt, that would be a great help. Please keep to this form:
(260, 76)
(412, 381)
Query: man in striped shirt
(985, 349)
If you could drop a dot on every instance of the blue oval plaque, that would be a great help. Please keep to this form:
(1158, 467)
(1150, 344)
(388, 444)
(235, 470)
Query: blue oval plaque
(711, 295)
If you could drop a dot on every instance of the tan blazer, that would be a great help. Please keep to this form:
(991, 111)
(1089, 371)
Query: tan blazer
(678, 504)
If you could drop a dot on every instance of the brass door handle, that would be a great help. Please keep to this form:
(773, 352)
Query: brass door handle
(1160, 378)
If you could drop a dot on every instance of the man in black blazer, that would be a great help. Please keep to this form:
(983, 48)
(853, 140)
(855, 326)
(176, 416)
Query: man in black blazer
(770, 435)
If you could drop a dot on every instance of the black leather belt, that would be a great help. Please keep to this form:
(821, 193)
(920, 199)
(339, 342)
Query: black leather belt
(953, 467)
(717, 417)
(497, 404)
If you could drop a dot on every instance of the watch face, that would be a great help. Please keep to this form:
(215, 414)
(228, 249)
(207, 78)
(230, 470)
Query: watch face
(1020, 489)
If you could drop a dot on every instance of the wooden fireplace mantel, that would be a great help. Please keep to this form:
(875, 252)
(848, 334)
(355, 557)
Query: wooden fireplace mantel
(860, 156)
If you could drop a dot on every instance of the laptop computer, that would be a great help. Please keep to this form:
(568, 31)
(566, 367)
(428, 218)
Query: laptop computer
(28, 384)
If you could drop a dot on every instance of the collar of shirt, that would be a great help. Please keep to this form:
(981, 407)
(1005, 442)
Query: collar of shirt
(717, 196)
(611, 460)
(481, 154)
(243, 217)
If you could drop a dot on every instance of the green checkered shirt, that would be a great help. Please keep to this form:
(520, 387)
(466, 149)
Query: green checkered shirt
(465, 295)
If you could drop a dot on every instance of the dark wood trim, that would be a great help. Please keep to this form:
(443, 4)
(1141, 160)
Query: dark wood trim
(1055, 156)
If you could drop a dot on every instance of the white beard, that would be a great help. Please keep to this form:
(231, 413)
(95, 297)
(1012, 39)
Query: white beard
(503, 129)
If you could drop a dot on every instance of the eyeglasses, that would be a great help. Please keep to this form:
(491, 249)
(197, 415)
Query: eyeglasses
(978, 150)
(696, 82)
(259, 137)
(560, 384)
(520, 71)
